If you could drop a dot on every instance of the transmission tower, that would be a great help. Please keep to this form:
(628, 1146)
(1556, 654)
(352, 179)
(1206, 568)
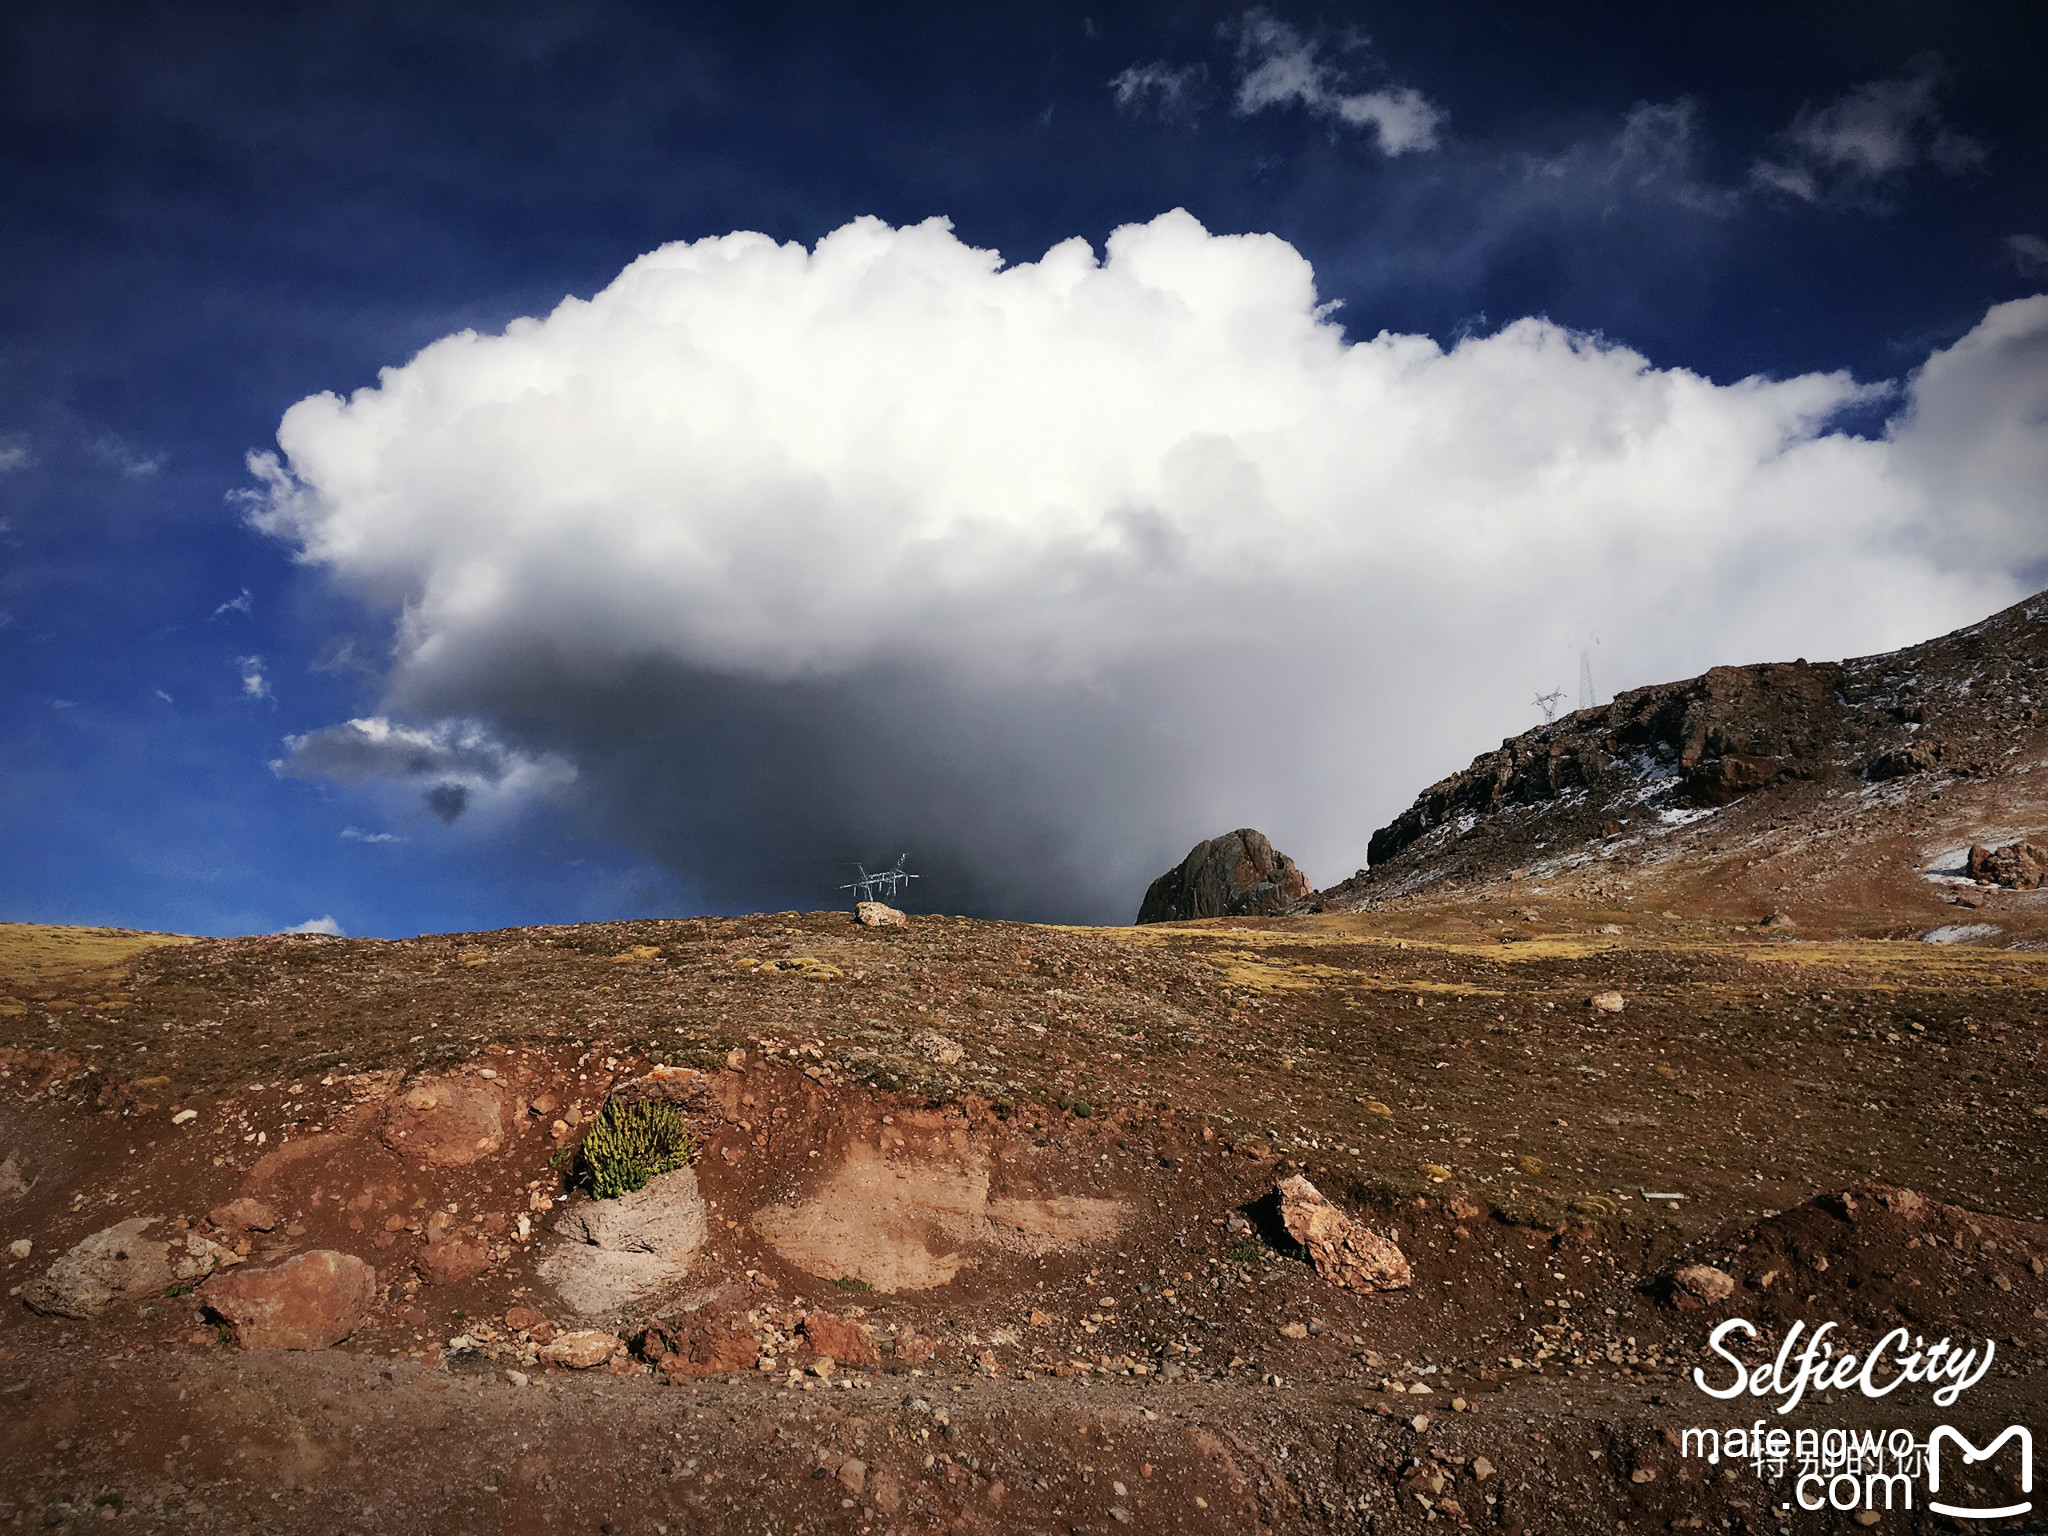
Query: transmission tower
(883, 884)
(1548, 702)
(1586, 699)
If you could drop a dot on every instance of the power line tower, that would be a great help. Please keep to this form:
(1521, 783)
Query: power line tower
(1548, 702)
(1586, 698)
(883, 884)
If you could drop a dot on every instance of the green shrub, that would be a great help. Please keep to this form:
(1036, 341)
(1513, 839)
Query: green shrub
(628, 1144)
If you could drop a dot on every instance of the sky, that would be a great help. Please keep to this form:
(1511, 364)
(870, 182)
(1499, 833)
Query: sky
(520, 463)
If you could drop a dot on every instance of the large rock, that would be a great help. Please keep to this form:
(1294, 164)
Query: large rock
(1700, 1285)
(448, 1121)
(451, 1259)
(844, 1340)
(618, 1251)
(1343, 1251)
(877, 914)
(123, 1263)
(2020, 866)
(581, 1350)
(311, 1302)
(1231, 876)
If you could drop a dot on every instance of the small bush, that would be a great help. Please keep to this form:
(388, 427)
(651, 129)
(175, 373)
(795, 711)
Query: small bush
(629, 1144)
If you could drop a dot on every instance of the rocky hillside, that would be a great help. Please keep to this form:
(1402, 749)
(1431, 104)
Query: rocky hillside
(1852, 790)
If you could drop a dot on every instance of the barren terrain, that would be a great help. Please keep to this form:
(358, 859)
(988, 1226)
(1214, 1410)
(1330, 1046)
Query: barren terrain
(1039, 1233)
(982, 1232)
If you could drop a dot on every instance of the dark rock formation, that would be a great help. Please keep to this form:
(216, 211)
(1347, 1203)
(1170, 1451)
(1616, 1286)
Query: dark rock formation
(1230, 876)
(2020, 866)
(1715, 762)
(1725, 734)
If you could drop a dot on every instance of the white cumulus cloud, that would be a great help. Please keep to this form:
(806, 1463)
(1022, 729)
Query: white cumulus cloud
(326, 925)
(1043, 571)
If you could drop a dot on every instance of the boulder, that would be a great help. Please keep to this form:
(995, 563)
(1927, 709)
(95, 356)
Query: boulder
(123, 1263)
(1700, 1285)
(448, 1121)
(844, 1340)
(452, 1259)
(876, 914)
(618, 1251)
(1342, 1250)
(1236, 875)
(2017, 866)
(706, 1350)
(243, 1215)
(313, 1301)
(581, 1350)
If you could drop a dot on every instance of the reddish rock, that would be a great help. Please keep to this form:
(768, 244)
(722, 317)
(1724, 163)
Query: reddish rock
(448, 1121)
(710, 1352)
(451, 1260)
(311, 1302)
(876, 914)
(243, 1215)
(853, 1475)
(1700, 1285)
(844, 1340)
(581, 1350)
(525, 1319)
(1343, 1251)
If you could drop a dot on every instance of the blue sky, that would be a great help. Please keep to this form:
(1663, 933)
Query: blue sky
(215, 213)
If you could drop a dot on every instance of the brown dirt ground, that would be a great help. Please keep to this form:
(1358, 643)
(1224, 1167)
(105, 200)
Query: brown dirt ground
(1048, 1215)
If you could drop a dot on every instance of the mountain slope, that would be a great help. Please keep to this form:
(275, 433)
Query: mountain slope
(1846, 794)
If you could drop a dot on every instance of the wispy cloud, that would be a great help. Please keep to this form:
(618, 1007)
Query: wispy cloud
(357, 835)
(15, 456)
(244, 605)
(165, 697)
(2029, 253)
(109, 449)
(254, 684)
(326, 925)
(1654, 154)
(1281, 67)
(1847, 152)
(1161, 88)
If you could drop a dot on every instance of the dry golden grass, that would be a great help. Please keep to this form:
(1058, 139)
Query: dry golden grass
(68, 966)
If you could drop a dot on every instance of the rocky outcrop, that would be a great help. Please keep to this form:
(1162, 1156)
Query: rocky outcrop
(1722, 735)
(1236, 875)
(2018, 866)
(448, 1121)
(1342, 1251)
(876, 914)
(621, 1250)
(311, 1302)
(123, 1262)
(841, 1339)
